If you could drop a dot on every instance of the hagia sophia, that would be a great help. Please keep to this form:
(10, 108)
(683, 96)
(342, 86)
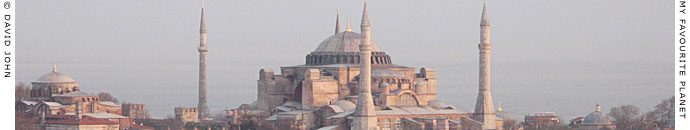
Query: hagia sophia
(336, 90)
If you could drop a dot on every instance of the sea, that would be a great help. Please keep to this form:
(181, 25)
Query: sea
(570, 89)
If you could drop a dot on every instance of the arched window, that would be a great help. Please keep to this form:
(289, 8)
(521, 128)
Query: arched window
(406, 100)
(386, 124)
(398, 124)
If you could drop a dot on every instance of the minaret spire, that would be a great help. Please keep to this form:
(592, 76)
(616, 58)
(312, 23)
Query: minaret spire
(365, 113)
(484, 109)
(485, 16)
(365, 16)
(54, 67)
(347, 28)
(203, 107)
(337, 22)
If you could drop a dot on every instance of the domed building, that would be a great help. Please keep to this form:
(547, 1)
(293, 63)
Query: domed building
(53, 83)
(324, 92)
(593, 121)
(56, 93)
(57, 103)
(503, 114)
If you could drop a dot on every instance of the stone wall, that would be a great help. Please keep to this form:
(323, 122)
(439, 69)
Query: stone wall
(187, 114)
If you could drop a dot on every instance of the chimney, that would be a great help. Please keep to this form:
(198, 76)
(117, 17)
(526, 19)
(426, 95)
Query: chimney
(76, 111)
(43, 115)
(598, 108)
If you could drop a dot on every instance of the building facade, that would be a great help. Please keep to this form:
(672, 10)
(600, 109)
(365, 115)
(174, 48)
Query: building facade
(57, 94)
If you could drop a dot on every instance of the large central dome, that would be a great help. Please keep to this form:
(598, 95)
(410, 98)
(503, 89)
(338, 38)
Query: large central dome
(343, 48)
(343, 42)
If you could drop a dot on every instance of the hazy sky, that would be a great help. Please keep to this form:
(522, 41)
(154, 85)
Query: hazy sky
(256, 31)
(581, 41)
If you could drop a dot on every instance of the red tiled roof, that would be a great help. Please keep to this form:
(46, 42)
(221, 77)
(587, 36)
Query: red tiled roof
(85, 120)
(210, 121)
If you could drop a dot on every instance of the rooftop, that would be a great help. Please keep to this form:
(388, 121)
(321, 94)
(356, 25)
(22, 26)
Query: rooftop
(417, 110)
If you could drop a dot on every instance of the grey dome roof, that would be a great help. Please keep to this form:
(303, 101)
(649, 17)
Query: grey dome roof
(597, 118)
(386, 73)
(343, 42)
(55, 77)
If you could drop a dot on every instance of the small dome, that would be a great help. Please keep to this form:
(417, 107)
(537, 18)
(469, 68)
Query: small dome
(597, 118)
(343, 42)
(335, 108)
(346, 105)
(55, 77)
(384, 84)
(436, 104)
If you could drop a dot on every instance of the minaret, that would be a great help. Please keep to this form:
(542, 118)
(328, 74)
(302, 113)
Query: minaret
(365, 114)
(337, 22)
(203, 107)
(484, 110)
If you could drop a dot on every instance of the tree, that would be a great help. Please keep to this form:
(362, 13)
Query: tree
(625, 117)
(173, 123)
(148, 115)
(220, 116)
(22, 91)
(510, 124)
(107, 97)
(662, 114)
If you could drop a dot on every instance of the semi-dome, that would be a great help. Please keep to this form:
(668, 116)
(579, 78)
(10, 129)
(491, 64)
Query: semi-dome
(343, 42)
(55, 76)
(385, 73)
(597, 118)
